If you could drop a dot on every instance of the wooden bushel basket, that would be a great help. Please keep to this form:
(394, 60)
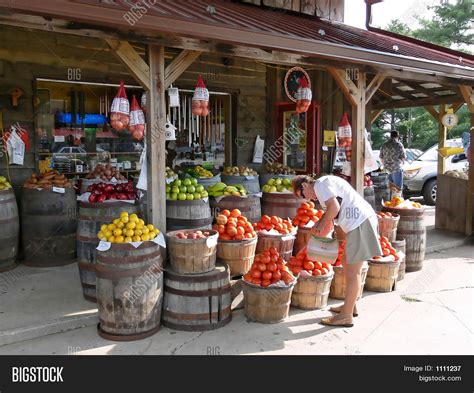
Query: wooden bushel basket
(388, 227)
(192, 256)
(312, 292)
(266, 305)
(382, 276)
(238, 254)
(338, 283)
(302, 239)
(283, 243)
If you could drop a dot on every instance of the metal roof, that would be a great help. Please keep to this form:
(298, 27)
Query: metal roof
(257, 26)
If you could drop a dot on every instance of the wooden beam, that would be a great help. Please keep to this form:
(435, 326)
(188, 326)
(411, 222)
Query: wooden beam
(358, 136)
(155, 138)
(348, 88)
(418, 88)
(467, 93)
(457, 106)
(452, 99)
(132, 60)
(375, 114)
(442, 133)
(433, 112)
(179, 64)
(374, 85)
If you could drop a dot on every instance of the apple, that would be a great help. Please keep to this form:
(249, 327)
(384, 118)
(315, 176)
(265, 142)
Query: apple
(176, 183)
(190, 197)
(181, 235)
(194, 181)
(182, 196)
(204, 194)
(192, 236)
(197, 195)
(199, 188)
(187, 182)
(191, 189)
(174, 196)
(183, 189)
(175, 190)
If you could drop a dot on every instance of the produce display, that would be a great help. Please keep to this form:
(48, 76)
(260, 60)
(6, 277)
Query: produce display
(458, 174)
(368, 181)
(268, 268)
(279, 169)
(222, 189)
(232, 225)
(105, 172)
(185, 190)
(386, 215)
(387, 249)
(239, 171)
(126, 229)
(400, 203)
(268, 223)
(193, 235)
(199, 172)
(170, 174)
(306, 213)
(302, 262)
(4, 183)
(101, 192)
(278, 185)
(47, 181)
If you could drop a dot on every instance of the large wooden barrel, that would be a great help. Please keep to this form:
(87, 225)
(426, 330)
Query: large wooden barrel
(369, 195)
(48, 227)
(266, 305)
(250, 183)
(238, 254)
(411, 228)
(267, 176)
(283, 243)
(312, 292)
(381, 188)
(302, 239)
(338, 284)
(192, 256)
(382, 276)
(400, 245)
(188, 215)
(249, 206)
(129, 291)
(283, 205)
(388, 227)
(9, 230)
(91, 217)
(199, 302)
(209, 181)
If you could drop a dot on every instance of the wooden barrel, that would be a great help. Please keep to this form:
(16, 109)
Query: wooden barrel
(266, 305)
(48, 227)
(192, 256)
(238, 254)
(249, 206)
(283, 205)
(388, 227)
(411, 228)
(199, 302)
(283, 243)
(9, 230)
(250, 183)
(209, 181)
(338, 284)
(382, 276)
(267, 176)
(188, 215)
(381, 188)
(400, 245)
(302, 239)
(91, 217)
(129, 291)
(312, 292)
(369, 195)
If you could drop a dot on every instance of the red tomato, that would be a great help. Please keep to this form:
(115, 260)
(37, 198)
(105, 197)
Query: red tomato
(316, 272)
(308, 265)
(248, 277)
(256, 273)
(266, 283)
(318, 265)
(274, 258)
(267, 275)
(296, 269)
(257, 281)
(273, 250)
(272, 266)
(276, 275)
(324, 271)
(265, 259)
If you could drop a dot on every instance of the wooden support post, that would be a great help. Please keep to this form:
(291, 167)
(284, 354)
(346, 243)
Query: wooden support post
(358, 136)
(441, 138)
(155, 138)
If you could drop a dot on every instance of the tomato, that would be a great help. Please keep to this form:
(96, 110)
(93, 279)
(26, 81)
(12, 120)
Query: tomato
(316, 272)
(308, 265)
(277, 275)
(301, 211)
(274, 258)
(257, 259)
(320, 213)
(305, 206)
(240, 231)
(231, 230)
(224, 236)
(392, 250)
(305, 219)
(299, 263)
(248, 228)
(266, 283)
(244, 219)
(262, 267)
(311, 213)
(278, 227)
(271, 266)
(256, 273)
(280, 265)
(273, 250)
(265, 219)
(324, 271)
(248, 236)
(254, 234)
(396, 257)
(274, 281)
(239, 237)
(225, 212)
(311, 204)
(221, 229)
(268, 227)
(257, 281)
(266, 275)
(248, 277)
(266, 253)
(297, 269)
(296, 222)
(235, 213)
(386, 252)
(318, 265)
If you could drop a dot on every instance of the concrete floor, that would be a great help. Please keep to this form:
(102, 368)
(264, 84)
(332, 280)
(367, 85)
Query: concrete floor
(431, 312)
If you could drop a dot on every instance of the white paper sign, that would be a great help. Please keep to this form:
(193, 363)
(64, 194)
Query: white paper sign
(211, 242)
(160, 240)
(59, 190)
(59, 138)
(104, 246)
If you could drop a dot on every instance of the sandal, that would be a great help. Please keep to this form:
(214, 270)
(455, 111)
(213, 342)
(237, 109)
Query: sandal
(338, 323)
(333, 309)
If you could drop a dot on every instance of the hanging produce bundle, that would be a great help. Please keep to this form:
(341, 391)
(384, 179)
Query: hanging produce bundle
(120, 110)
(201, 99)
(303, 96)
(137, 120)
(344, 136)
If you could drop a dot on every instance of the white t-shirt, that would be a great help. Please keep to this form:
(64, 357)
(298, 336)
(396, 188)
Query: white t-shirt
(354, 208)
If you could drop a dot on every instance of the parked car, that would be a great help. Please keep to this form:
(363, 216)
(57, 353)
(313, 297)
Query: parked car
(69, 152)
(420, 175)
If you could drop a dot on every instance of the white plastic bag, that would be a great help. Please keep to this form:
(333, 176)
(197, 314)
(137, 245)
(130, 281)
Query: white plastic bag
(258, 150)
(15, 148)
(142, 183)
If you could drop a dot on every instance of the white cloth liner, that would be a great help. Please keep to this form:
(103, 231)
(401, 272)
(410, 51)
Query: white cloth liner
(159, 240)
(85, 198)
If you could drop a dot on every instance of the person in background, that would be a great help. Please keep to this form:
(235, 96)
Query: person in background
(392, 154)
(357, 225)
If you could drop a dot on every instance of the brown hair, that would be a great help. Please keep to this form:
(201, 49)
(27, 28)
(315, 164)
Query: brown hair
(298, 181)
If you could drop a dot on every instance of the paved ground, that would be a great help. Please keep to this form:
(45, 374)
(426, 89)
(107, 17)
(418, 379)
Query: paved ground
(430, 313)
